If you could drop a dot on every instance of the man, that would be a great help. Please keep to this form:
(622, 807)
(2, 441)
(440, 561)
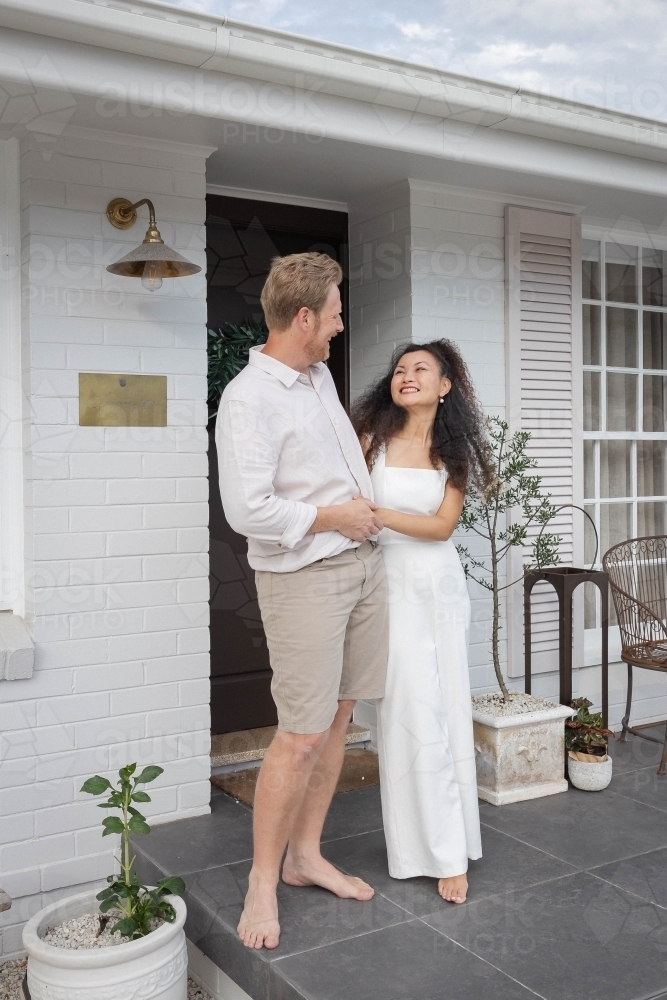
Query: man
(293, 480)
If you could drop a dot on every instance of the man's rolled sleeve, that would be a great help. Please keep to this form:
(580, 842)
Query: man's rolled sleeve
(247, 464)
(302, 520)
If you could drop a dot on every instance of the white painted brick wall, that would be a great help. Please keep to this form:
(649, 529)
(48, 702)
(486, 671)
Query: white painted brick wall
(447, 280)
(120, 572)
(426, 263)
(458, 293)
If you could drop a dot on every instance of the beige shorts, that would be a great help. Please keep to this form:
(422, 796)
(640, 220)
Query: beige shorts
(326, 627)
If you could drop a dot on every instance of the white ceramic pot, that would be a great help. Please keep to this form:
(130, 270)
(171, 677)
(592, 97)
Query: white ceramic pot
(155, 966)
(590, 776)
(520, 756)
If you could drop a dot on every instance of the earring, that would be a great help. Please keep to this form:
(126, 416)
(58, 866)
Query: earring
(442, 399)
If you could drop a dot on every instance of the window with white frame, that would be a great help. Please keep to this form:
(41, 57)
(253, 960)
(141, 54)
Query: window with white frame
(624, 292)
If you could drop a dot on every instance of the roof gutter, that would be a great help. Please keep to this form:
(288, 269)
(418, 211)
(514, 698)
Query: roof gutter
(163, 31)
(177, 38)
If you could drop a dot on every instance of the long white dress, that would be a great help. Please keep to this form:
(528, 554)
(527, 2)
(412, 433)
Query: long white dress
(425, 738)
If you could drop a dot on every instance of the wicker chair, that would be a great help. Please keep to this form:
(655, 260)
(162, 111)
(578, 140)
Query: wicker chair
(637, 571)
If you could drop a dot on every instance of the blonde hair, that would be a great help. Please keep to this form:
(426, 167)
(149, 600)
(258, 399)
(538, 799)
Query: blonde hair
(295, 281)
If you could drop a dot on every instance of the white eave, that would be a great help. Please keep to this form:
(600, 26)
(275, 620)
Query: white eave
(163, 31)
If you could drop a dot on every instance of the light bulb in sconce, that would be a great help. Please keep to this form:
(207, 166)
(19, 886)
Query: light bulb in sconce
(152, 260)
(151, 278)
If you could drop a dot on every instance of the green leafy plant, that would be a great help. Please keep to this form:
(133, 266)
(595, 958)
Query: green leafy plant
(502, 515)
(228, 349)
(585, 732)
(137, 904)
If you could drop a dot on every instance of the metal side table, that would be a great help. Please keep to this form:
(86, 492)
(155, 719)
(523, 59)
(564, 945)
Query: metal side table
(565, 580)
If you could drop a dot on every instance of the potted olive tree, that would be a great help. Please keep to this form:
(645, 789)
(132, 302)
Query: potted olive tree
(589, 766)
(124, 942)
(518, 737)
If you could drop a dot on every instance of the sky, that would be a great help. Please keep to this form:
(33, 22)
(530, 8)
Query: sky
(611, 53)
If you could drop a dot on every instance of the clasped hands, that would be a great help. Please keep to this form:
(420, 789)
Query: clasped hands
(359, 520)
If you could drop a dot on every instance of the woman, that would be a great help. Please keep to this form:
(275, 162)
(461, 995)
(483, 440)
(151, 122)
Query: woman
(422, 434)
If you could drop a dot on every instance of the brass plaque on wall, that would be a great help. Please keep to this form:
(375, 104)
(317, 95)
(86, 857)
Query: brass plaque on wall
(122, 400)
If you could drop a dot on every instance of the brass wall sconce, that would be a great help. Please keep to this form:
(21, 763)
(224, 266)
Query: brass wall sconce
(153, 260)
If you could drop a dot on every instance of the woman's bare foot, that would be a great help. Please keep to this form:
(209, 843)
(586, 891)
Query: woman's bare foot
(258, 926)
(454, 889)
(317, 871)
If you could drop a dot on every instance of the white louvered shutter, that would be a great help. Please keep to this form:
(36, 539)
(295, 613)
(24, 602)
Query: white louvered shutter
(544, 375)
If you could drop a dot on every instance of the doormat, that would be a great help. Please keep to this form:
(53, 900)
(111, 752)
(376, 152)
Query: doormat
(360, 770)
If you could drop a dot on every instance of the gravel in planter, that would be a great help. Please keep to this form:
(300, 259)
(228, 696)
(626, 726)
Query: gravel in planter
(518, 704)
(88, 932)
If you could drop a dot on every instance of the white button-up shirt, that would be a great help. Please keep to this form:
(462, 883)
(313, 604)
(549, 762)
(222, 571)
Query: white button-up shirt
(286, 447)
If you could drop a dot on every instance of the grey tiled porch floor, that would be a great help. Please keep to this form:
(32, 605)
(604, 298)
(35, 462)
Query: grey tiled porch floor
(568, 902)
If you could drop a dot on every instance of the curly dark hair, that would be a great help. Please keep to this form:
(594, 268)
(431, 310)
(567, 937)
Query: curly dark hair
(459, 442)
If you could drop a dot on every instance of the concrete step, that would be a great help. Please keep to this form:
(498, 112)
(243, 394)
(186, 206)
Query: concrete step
(212, 854)
(250, 745)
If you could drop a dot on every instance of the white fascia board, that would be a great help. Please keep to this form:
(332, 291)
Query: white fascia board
(414, 93)
(407, 91)
(622, 134)
(32, 60)
(163, 31)
(274, 57)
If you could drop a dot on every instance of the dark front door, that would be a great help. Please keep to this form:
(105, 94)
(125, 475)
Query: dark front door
(242, 237)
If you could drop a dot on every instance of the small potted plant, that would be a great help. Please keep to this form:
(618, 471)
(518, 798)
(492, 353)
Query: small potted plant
(518, 737)
(124, 942)
(589, 765)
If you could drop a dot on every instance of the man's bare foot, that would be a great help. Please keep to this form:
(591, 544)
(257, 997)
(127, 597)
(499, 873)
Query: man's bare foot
(258, 926)
(317, 871)
(454, 889)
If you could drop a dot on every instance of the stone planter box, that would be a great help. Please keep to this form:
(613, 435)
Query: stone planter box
(520, 756)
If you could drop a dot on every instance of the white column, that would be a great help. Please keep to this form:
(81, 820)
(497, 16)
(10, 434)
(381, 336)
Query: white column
(380, 282)
(13, 402)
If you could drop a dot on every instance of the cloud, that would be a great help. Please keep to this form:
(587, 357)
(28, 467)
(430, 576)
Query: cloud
(424, 32)
(606, 52)
(503, 56)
